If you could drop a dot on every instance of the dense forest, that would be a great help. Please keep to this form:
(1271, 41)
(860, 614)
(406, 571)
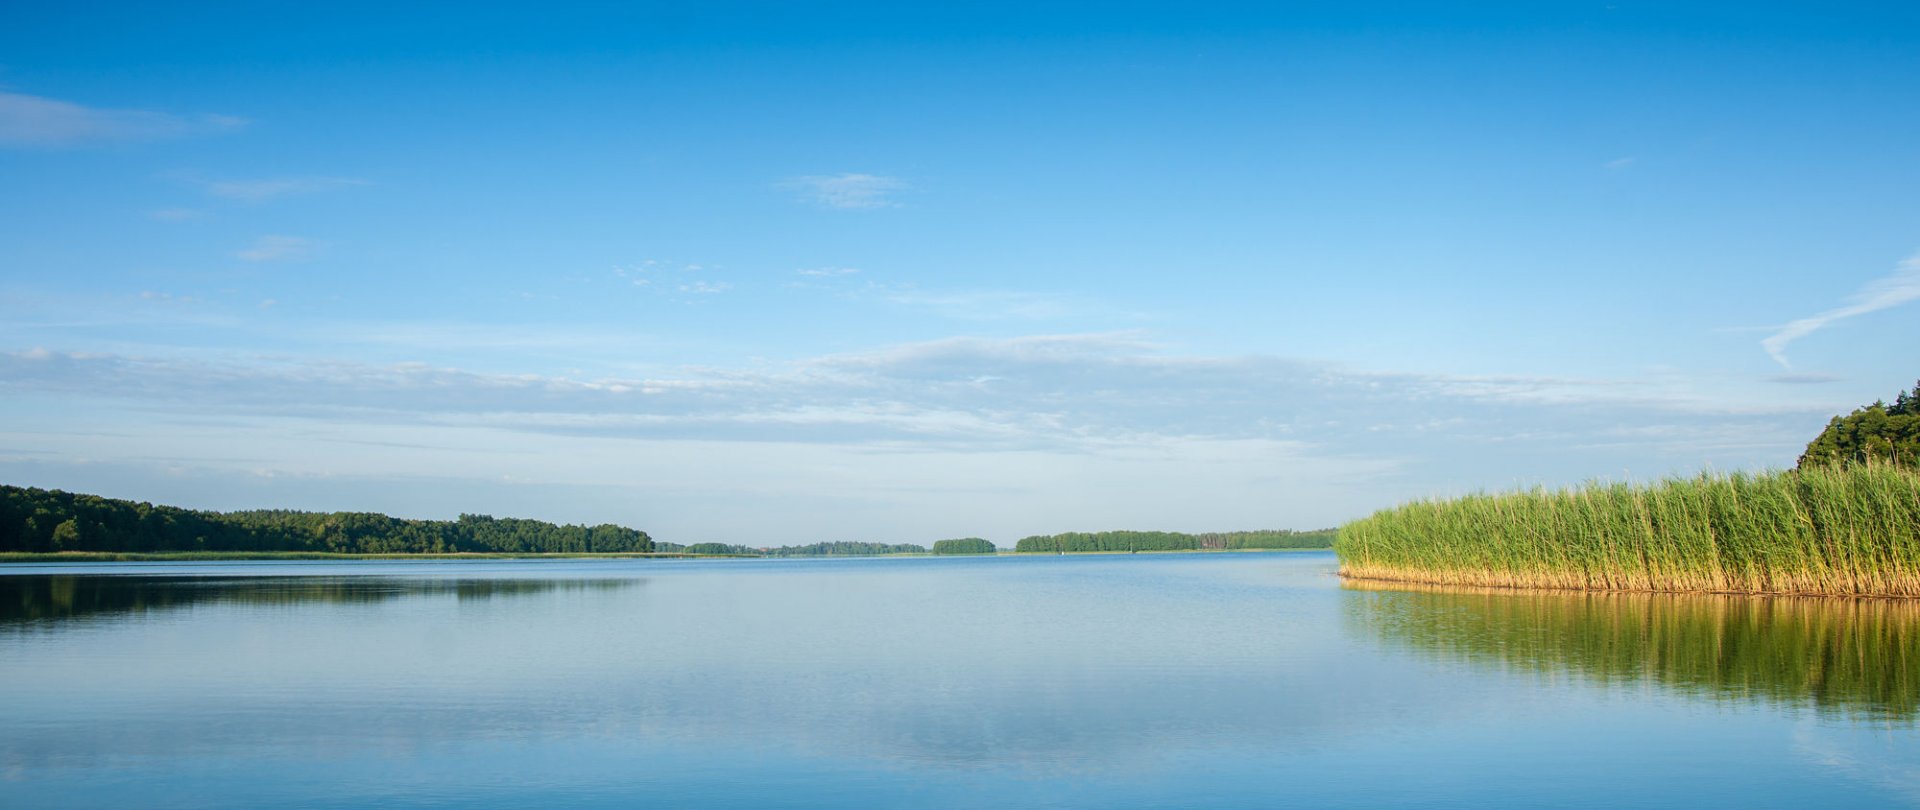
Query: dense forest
(40, 520)
(965, 545)
(1875, 433)
(1175, 541)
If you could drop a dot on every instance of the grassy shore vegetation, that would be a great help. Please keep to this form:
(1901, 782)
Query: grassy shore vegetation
(1858, 658)
(1846, 530)
(1079, 542)
(1845, 522)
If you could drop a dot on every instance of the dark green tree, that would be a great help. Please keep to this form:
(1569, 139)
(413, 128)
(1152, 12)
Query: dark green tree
(964, 545)
(1876, 433)
(66, 536)
(40, 520)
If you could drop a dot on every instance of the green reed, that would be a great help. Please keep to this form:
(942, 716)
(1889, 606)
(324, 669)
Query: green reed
(1837, 531)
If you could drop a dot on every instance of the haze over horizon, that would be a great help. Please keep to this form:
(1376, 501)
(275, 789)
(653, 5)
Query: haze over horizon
(774, 274)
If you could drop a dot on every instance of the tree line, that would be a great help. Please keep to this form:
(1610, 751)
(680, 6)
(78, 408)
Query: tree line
(841, 548)
(965, 545)
(846, 548)
(1174, 541)
(1877, 433)
(42, 520)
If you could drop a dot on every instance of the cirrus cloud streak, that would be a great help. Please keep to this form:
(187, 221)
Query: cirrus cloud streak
(37, 121)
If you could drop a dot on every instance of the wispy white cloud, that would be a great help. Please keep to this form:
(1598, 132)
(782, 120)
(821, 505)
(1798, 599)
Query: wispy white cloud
(1902, 286)
(36, 121)
(1044, 391)
(1804, 379)
(643, 273)
(1079, 349)
(851, 191)
(275, 248)
(165, 298)
(1200, 440)
(1617, 164)
(173, 214)
(981, 305)
(672, 277)
(492, 338)
(965, 304)
(272, 188)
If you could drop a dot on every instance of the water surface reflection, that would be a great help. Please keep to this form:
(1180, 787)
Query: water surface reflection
(54, 599)
(1131, 681)
(1852, 657)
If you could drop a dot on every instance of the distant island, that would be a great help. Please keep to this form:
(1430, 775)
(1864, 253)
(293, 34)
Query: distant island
(49, 524)
(1845, 522)
(965, 545)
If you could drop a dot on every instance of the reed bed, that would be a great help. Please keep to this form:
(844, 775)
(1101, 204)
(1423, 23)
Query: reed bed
(1852, 531)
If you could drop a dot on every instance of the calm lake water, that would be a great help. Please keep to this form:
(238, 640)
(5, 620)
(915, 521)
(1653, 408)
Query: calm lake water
(1224, 680)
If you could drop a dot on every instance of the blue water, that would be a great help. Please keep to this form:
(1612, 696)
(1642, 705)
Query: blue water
(1220, 680)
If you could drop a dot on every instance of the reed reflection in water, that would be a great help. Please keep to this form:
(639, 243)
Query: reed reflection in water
(1859, 658)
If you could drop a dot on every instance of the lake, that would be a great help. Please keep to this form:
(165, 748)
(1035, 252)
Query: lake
(1222, 680)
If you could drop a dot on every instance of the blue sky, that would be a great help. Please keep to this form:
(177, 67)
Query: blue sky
(783, 273)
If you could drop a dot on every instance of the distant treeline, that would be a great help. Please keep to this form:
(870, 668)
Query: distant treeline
(725, 549)
(1175, 541)
(41, 520)
(38, 521)
(844, 548)
(847, 549)
(822, 549)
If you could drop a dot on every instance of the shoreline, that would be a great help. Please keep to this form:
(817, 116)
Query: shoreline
(219, 556)
(1403, 581)
(1831, 532)
(1157, 551)
(19, 557)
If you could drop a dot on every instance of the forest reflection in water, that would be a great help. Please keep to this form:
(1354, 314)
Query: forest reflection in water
(1858, 658)
(29, 601)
